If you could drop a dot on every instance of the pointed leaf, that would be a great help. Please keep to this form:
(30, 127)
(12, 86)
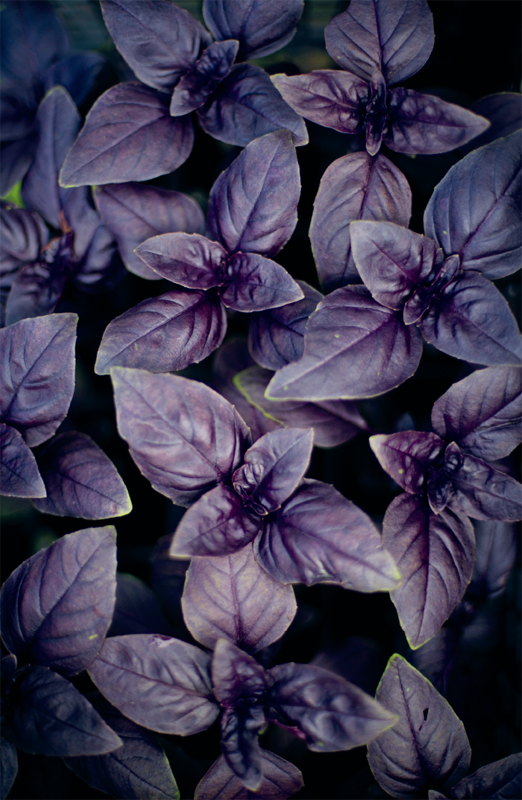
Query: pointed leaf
(482, 492)
(56, 607)
(497, 780)
(428, 746)
(503, 110)
(236, 675)
(19, 474)
(407, 455)
(281, 779)
(497, 546)
(254, 283)
(76, 73)
(189, 260)
(197, 85)
(434, 554)
(183, 436)
(158, 682)
(128, 135)
(319, 536)
(37, 374)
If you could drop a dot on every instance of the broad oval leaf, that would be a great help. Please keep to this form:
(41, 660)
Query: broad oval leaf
(190, 260)
(80, 480)
(165, 333)
(434, 554)
(236, 676)
(373, 35)
(134, 212)
(19, 473)
(128, 135)
(183, 436)
(497, 780)
(482, 412)
(354, 347)
(247, 209)
(51, 717)
(482, 492)
(407, 455)
(246, 106)
(158, 682)
(281, 779)
(319, 536)
(37, 374)
(56, 607)
(474, 210)
(355, 186)
(197, 85)
(428, 746)
(233, 598)
(254, 283)
(332, 714)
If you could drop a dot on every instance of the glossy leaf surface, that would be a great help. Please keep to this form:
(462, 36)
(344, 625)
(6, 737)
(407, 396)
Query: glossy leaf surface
(236, 675)
(406, 456)
(240, 728)
(190, 260)
(281, 779)
(197, 85)
(19, 473)
(483, 492)
(254, 283)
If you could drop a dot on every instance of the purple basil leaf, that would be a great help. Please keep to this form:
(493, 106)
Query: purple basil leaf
(273, 467)
(164, 333)
(501, 779)
(327, 97)
(497, 546)
(197, 85)
(134, 212)
(216, 525)
(17, 107)
(23, 235)
(190, 260)
(51, 717)
(281, 779)
(436, 658)
(247, 209)
(482, 492)
(372, 35)
(240, 729)
(254, 283)
(158, 40)
(233, 598)
(183, 436)
(334, 422)
(331, 713)
(9, 764)
(319, 536)
(435, 555)
(128, 135)
(355, 186)
(32, 38)
(137, 609)
(440, 478)
(236, 675)
(428, 746)
(482, 412)
(423, 123)
(56, 607)
(37, 374)
(16, 160)
(98, 266)
(80, 480)
(275, 337)
(391, 260)
(36, 289)
(158, 682)
(246, 105)
(75, 73)
(19, 474)
(472, 321)
(406, 456)
(474, 209)
(139, 768)
(503, 110)
(262, 26)
(354, 347)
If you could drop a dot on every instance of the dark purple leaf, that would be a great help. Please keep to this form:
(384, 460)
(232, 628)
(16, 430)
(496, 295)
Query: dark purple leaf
(331, 713)
(474, 210)
(501, 779)
(233, 598)
(497, 546)
(482, 412)
(503, 110)
(280, 780)
(37, 374)
(23, 235)
(36, 289)
(246, 105)
(247, 209)
(17, 107)
(184, 437)
(158, 40)
(407, 455)
(372, 35)
(216, 525)
(262, 26)
(56, 607)
(31, 39)
(354, 347)
(128, 135)
(240, 730)
(16, 159)
(164, 333)
(436, 658)
(355, 186)
(19, 474)
(137, 609)
(80, 480)
(319, 536)
(190, 260)
(254, 283)
(428, 746)
(197, 85)
(471, 320)
(9, 763)
(275, 337)
(139, 768)
(167, 579)
(134, 212)
(327, 97)
(98, 265)
(435, 555)
(236, 675)
(485, 493)
(51, 717)
(423, 123)
(158, 682)
(75, 73)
